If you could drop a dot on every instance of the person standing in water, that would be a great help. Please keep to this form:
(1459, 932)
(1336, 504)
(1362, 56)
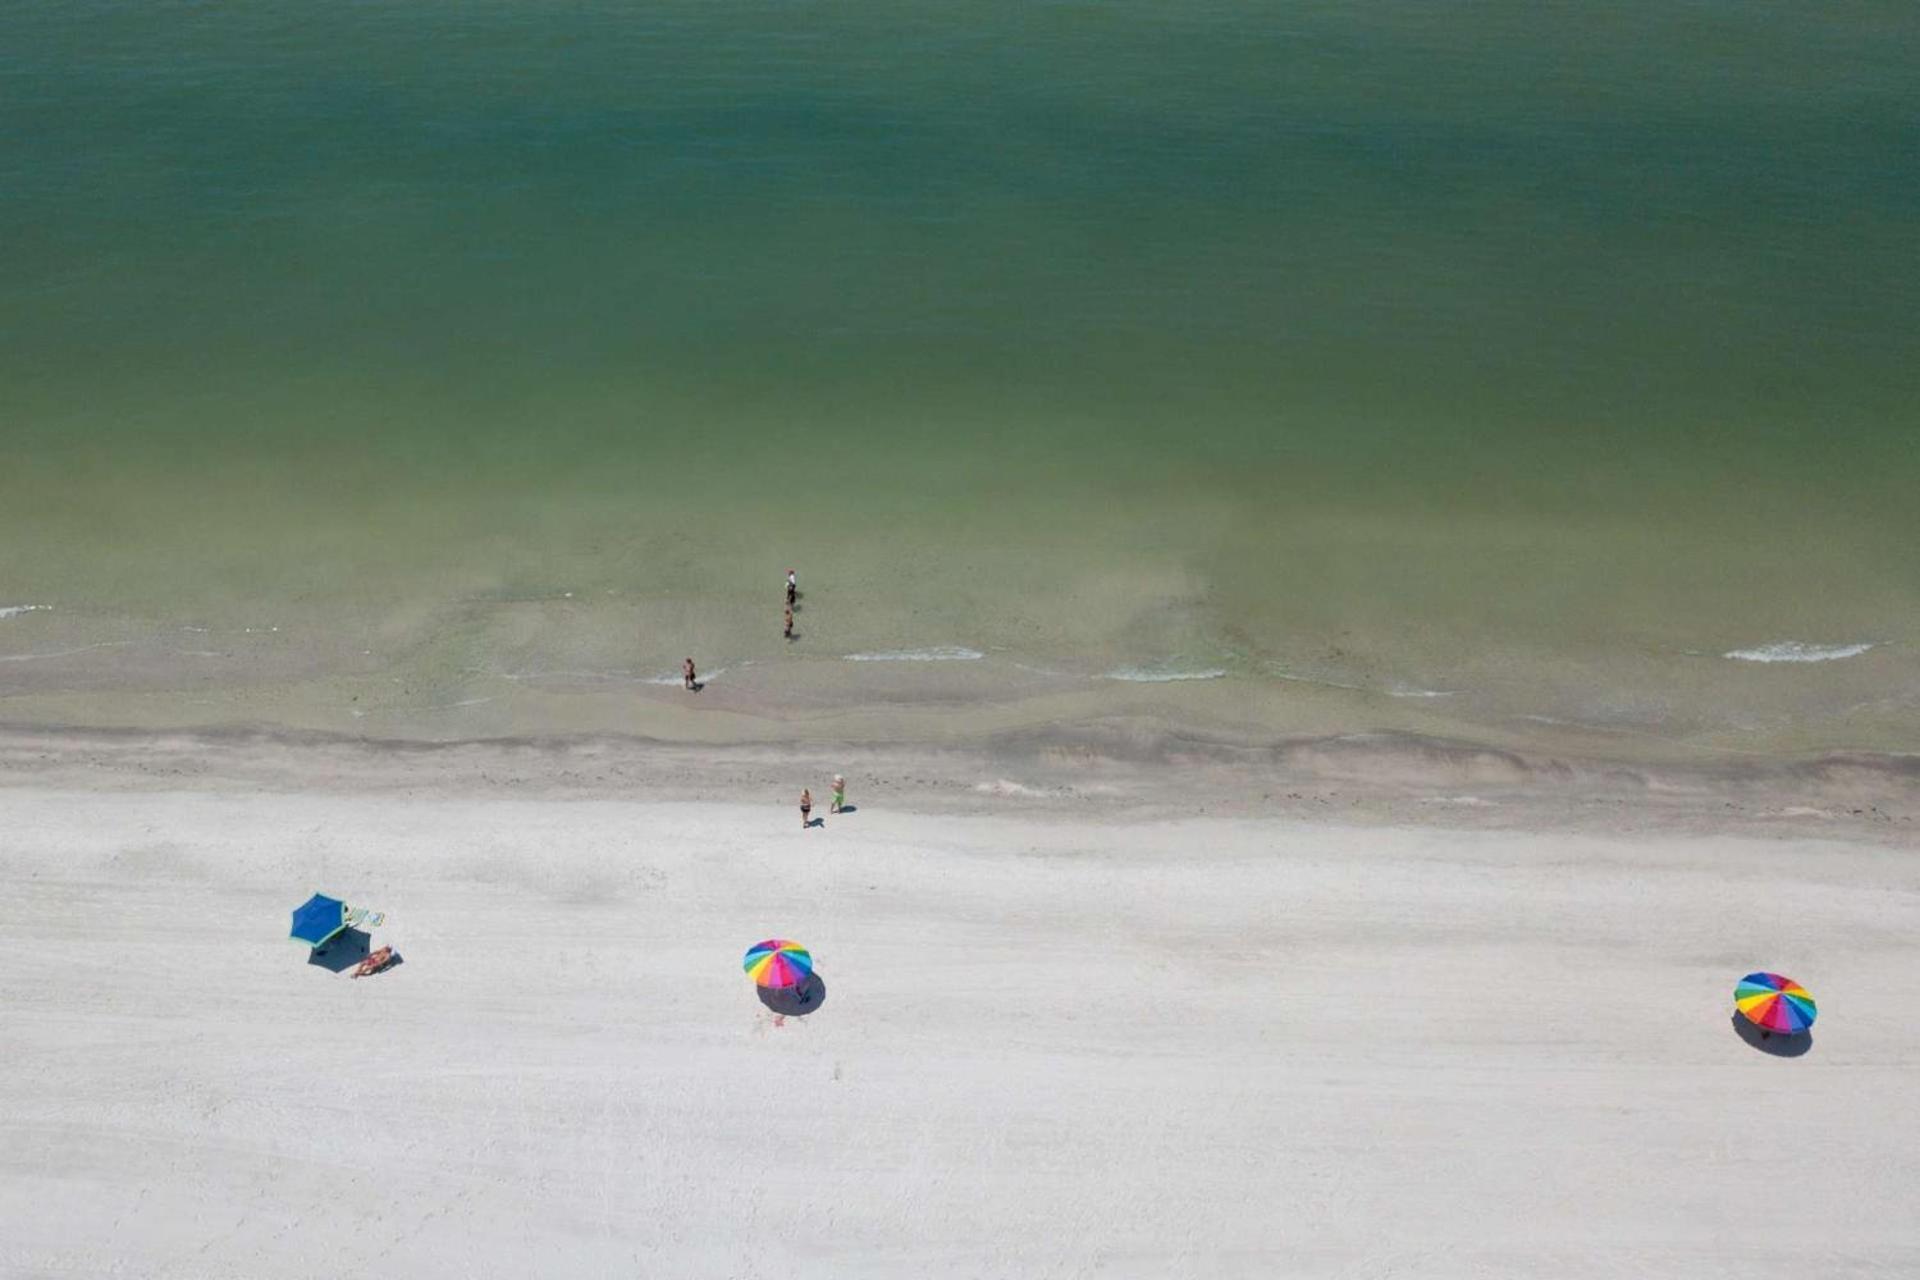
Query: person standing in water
(687, 676)
(806, 808)
(839, 794)
(793, 588)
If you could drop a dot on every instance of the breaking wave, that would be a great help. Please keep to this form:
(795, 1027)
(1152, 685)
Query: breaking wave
(1794, 651)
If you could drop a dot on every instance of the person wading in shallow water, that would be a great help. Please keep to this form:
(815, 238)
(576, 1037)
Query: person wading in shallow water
(793, 588)
(806, 808)
(687, 676)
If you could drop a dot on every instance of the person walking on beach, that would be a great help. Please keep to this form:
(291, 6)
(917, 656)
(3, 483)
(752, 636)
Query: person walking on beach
(806, 808)
(789, 631)
(687, 676)
(839, 794)
(793, 588)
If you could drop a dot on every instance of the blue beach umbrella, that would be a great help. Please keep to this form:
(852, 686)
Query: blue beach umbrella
(318, 919)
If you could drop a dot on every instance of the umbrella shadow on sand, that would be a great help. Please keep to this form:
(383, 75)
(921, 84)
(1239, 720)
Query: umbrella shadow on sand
(795, 1002)
(342, 951)
(1777, 1045)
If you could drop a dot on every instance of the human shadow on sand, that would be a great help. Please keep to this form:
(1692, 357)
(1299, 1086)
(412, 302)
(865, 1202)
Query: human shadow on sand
(846, 808)
(342, 951)
(794, 1002)
(1774, 1044)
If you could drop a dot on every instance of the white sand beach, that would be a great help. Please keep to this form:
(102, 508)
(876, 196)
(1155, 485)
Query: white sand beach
(1053, 1041)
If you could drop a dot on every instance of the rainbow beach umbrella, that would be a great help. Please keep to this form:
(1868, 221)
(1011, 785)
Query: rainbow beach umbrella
(778, 963)
(1774, 1003)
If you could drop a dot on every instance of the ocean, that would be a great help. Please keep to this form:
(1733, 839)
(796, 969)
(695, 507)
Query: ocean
(1488, 369)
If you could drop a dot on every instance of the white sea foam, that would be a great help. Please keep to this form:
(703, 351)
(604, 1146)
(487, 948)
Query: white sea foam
(945, 653)
(1008, 787)
(1395, 691)
(620, 676)
(15, 610)
(1283, 674)
(1794, 651)
(701, 677)
(65, 653)
(1153, 675)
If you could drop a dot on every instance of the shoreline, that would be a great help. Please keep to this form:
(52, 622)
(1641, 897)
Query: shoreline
(1111, 770)
(512, 671)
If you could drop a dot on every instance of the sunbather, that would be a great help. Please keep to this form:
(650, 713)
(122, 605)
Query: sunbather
(374, 962)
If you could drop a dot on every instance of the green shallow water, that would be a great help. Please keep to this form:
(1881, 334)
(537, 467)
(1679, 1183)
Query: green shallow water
(1531, 357)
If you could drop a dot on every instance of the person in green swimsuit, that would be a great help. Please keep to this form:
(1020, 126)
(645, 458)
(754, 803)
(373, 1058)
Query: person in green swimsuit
(839, 793)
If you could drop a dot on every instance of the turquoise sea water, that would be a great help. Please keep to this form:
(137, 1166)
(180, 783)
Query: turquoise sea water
(1534, 356)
